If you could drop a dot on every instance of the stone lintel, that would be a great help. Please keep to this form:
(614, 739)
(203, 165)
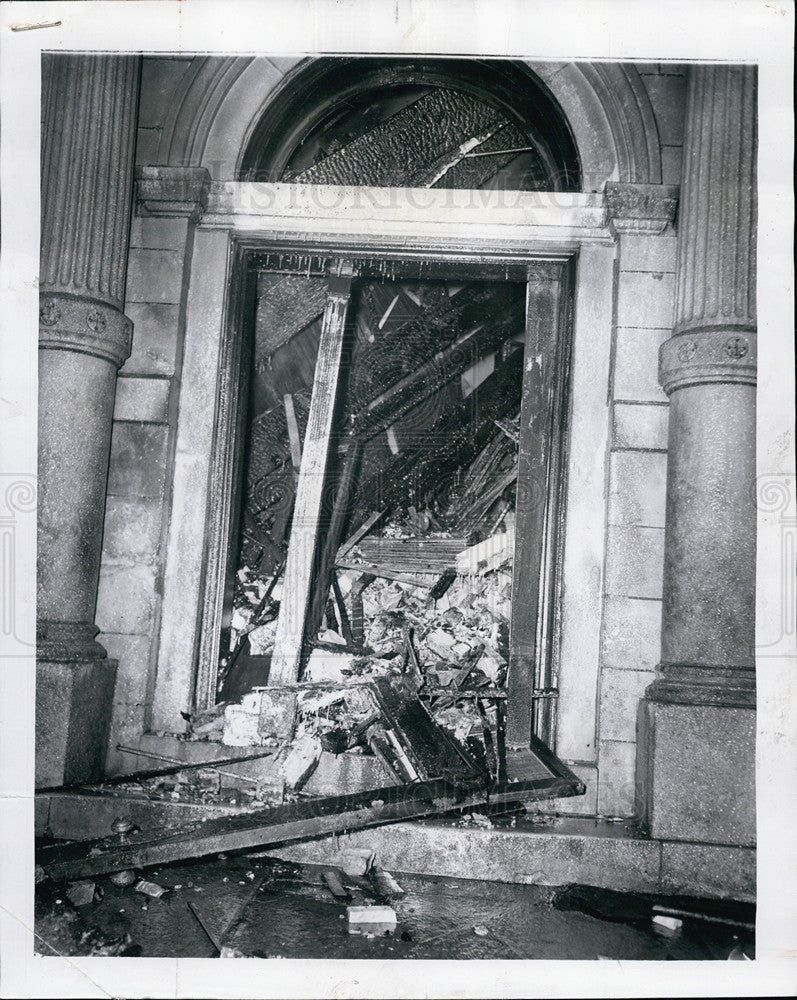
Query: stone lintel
(724, 354)
(172, 192)
(84, 325)
(641, 209)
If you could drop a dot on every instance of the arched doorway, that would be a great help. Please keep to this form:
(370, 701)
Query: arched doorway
(418, 124)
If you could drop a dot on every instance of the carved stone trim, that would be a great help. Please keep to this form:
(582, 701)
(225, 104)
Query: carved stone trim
(58, 642)
(697, 356)
(74, 323)
(640, 208)
(172, 192)
(685, 684)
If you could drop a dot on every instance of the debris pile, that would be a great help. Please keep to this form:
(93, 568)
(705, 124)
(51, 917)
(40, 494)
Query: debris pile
(410, 601)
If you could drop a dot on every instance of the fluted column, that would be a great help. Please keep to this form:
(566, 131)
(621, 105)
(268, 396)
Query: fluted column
(708, 369)
(89, 111)
(699, 747)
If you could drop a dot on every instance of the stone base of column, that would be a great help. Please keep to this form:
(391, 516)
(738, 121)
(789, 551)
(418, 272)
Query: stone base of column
(696, 770)
(74, 701)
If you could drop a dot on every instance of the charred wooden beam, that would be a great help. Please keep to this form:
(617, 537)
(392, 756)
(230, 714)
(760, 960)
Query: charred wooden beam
(331, 538)
(387, 572)
(306, 819)
(298, 583)
(411, 390)
(400, 150)
(286, 304)
(451, 443)
(404, 347)
(537, 413)
(363, 530)
(471, 172)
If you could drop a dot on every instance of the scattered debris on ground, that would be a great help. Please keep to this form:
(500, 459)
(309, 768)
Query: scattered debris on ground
(239, 906)
(711, 921)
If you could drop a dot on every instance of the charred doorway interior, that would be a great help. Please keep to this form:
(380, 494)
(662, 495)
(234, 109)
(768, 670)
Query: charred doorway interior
(390, 461)
(434, 547)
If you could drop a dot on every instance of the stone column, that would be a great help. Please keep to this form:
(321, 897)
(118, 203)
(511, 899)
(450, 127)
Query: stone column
(699, 715)
(89, 110)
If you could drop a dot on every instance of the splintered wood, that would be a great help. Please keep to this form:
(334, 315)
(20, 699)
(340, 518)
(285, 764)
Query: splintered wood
(303, 820)
(297, 587)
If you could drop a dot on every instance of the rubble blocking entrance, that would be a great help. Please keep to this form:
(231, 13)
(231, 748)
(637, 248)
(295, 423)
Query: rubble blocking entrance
(390, 511)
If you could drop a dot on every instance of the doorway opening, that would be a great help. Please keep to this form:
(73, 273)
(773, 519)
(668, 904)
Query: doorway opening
(433, 544)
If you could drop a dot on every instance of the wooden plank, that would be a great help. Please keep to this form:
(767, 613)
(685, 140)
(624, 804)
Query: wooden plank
(543, 304)
(363, 530)
(326, 562)
(356, 598)
(395, 402)
(298, 583)
(431, 749)
(294, 821)
(345, 623)
(293, 432)
(436, 551)
(485, 556)
(386, 572)
(161, 772)
(407, 566)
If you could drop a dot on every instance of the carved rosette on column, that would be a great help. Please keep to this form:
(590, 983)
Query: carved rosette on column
(89, 113)
(697, 737)
(89, 110)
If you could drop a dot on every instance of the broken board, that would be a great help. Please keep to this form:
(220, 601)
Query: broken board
(303, 820)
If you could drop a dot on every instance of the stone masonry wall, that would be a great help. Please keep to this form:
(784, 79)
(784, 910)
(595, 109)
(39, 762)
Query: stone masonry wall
(142, 445)
(139, 481)
(137, 517)
(637, 467)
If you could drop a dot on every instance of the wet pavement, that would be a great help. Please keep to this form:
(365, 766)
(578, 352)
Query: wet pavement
(264, 908)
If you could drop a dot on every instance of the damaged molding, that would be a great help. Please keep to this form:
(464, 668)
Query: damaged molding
(644, 209)
(172, 192)
(408, 216)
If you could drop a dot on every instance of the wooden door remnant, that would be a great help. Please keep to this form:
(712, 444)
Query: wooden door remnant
(299, 580)
(453, 784)
(541, 424)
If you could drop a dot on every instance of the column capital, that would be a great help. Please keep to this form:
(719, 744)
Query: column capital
(699, 356)
(642, 209)
(85, 325)
(172, 192)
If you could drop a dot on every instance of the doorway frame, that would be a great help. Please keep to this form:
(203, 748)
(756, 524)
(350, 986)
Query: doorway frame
(491, 229)
(529, 676)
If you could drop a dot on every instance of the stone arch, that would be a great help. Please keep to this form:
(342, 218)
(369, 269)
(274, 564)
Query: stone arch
(612, 119)
(221, 101)
(320, 91)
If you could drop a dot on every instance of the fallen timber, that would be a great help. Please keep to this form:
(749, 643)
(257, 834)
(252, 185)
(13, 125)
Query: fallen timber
(296, 821)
